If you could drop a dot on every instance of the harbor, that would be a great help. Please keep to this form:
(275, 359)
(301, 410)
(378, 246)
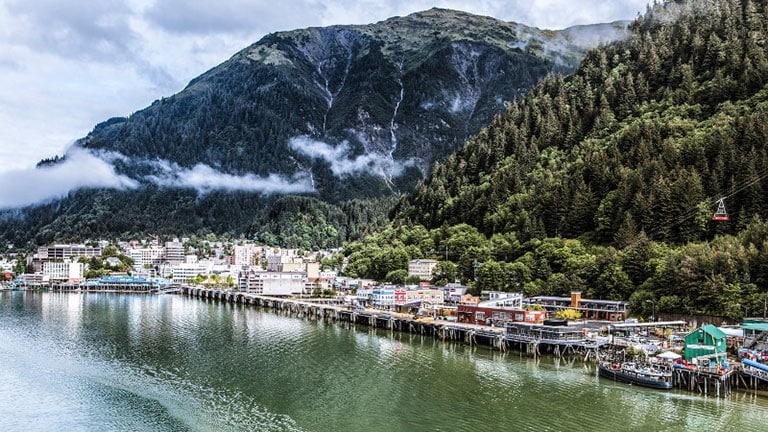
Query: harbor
(579, 342)
(119, 361)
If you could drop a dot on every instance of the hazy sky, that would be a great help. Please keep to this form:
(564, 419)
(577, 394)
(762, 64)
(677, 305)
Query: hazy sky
(66, 65)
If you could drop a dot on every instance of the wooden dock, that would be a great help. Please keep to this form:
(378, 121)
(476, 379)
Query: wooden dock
(532, 342)
(444, 330)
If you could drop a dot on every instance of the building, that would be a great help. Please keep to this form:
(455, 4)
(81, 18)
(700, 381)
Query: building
(277, 258)
(452, 293)
(418, 296)
(64, 252)
(756, 333)
(247, 255)
(124, 283)
(383, 298)
(31, 280)
(64, 271)
(186, 272)
(272, 283)
(423, 268)
(706, 343)
(174, 252)
(608, 310)
(146, 257)
(502, 308)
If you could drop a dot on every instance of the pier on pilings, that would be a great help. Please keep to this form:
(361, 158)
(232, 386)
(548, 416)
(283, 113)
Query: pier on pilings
(328, 311)
(720, 384)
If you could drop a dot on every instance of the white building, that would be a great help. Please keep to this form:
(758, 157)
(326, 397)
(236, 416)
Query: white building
(6, 265)
(187, 272)
(147, 256)
(246, 255)
(64, 271)
(277, 259)
(423, 268)
(272, 283)
(174, 252)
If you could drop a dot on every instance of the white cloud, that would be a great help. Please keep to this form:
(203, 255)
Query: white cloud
(87, 169)
(70, 64)
(338, 157)
(205, 179)
(81, 169)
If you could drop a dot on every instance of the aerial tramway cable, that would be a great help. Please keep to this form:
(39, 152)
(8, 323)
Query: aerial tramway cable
(720, 213)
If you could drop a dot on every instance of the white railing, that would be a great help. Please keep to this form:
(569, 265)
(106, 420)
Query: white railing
(755, 372)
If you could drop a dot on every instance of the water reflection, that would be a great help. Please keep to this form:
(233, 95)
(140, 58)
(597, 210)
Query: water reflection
(115, 362)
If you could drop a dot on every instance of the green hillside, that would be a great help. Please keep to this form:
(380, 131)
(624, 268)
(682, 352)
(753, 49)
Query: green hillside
(606, 181)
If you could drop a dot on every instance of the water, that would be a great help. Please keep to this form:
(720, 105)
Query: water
(109, 362)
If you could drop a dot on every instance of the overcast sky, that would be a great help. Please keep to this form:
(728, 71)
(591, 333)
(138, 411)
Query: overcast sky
(66, 65)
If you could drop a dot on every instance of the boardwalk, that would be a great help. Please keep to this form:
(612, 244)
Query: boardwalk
(394, 321)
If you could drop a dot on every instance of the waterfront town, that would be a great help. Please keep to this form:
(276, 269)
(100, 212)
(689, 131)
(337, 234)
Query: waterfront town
(704, 357)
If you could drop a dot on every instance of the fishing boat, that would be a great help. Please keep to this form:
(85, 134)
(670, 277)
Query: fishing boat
(633, 374)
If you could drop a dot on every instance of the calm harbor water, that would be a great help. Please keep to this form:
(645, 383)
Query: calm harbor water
(111, 362)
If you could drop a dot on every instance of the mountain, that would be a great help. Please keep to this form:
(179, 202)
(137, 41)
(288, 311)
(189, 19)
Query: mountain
(309, 131)
(647, 135)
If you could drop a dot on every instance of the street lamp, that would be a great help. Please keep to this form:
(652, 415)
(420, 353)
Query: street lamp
(653, 309)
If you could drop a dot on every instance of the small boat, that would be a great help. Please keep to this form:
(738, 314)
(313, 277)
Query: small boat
(633, 374)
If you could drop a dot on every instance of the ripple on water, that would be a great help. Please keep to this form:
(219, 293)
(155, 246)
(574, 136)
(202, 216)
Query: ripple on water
(173, 363)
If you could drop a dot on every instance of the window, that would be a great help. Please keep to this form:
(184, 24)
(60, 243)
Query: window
(479, 316)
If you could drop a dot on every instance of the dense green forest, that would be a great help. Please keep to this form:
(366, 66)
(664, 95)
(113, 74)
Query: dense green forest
(605, 181)
(289, 221)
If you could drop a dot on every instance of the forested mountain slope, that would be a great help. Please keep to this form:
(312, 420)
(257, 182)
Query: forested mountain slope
(334, 114)
(606, 181)
(645, 136)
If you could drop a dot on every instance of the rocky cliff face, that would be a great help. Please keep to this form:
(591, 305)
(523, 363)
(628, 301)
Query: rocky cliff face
(348, 106)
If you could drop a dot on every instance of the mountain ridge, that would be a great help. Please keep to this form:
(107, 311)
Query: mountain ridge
(335, 114)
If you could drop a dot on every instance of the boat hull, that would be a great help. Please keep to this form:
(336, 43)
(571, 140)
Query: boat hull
(660, 382)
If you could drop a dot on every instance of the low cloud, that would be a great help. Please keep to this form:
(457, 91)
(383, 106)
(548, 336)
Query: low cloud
(80, 169)
(83, 169)
(338, 157)
(204, 179)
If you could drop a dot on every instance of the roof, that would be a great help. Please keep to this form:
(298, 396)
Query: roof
(623, 325)
(756, 326)
(713, 331)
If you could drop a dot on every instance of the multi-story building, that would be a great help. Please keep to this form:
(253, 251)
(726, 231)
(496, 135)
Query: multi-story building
(146, 256)
(61, 253)
(174, 252)
(64, 252)
(187, 272)
(383, 298)
(247, 255)
(423, 268)
(502, 308)
(272, 283)
(609, 310)
(64, 271)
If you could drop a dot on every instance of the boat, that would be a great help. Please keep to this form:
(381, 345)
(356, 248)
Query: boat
(633, 374)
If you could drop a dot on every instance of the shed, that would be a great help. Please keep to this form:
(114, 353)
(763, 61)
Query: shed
(705, 342)
(756, 333)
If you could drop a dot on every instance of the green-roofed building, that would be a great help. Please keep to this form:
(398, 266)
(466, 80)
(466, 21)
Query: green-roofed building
(706, 342)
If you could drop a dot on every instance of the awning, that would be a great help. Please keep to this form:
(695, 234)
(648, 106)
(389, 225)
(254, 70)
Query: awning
(669, 355)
